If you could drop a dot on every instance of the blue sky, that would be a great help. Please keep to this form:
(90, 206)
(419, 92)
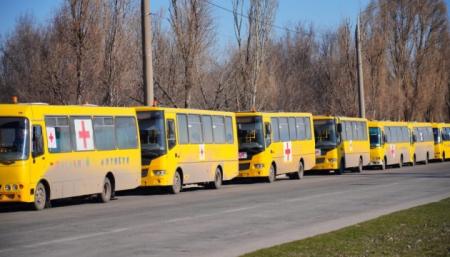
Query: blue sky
(323, 14)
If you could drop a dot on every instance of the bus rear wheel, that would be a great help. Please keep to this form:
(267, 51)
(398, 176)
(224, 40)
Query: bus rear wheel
(272, 175)
(40, 197)
(400, 164)
(359, 169)
(106, 194)
(298, 174)
(177, 184)
(217, 183)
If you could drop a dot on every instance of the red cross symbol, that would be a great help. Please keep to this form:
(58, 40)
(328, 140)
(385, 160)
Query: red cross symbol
(51, 137)
(84, 134)
(287, 151)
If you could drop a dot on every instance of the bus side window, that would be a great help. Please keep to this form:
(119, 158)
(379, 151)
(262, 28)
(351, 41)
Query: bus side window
(38, 143)
(171, 139)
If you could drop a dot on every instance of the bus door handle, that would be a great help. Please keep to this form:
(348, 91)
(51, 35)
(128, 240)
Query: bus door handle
(177, 155)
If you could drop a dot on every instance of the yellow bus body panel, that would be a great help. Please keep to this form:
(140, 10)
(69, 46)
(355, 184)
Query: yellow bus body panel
(72, 173)
(351, 151)
(421, 150)
(442, 148)
(390, 152)
(302, 150)
(186, 157)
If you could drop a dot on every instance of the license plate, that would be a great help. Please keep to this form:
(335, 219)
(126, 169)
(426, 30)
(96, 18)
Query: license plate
(318, 153)
(242, 155)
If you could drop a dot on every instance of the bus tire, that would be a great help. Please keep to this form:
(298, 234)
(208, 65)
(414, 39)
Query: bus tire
(272, 175)
(41, 199)
(427, 159)
(400, 164)
(443, 156)
(383, 165)
(218, 179)
(106, 194)
(414, 163)
(341, 169)
(298, 174)
(359, 169)
(177, 184)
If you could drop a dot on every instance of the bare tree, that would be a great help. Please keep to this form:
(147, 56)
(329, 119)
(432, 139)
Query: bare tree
(253, 49)
(193, 28)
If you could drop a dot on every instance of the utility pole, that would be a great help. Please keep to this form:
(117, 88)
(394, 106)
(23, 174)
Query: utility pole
(362, 105)
(147, 64)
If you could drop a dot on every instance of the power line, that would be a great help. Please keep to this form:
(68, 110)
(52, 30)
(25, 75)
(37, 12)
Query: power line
(248, 17)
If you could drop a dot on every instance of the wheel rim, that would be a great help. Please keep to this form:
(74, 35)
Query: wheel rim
(177, 182)
(40, 196)
(107, 190)
(218, 179)
(272, 174)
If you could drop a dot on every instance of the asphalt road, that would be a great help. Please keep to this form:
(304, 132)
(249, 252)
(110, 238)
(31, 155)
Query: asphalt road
(234, 220)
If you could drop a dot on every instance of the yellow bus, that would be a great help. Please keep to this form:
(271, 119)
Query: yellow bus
(341, 143)
(422, 149)
(389, 143)
(441, 133)
(272, 144)
(187, 146)
(51, 152)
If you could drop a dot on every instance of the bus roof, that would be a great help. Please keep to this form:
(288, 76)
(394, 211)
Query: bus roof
(282, 114)
(339, 118)
(27, 110)
(180, 110)
(379, 123)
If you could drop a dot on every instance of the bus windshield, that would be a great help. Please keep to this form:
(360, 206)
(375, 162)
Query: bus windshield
(325, 133)
(250, 134)
(152, 134)
(14, 139)
(375, 137)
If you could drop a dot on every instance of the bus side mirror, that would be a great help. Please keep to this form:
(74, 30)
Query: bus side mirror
(384, 138)
(339, 127)
(414, 138)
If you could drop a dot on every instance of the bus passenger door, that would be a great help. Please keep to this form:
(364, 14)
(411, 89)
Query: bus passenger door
(39, 163)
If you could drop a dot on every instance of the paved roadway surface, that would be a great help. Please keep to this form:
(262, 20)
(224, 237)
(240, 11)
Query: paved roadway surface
(228, 222)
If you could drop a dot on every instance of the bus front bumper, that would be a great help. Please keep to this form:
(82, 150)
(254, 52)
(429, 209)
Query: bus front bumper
(323, 163)
(248, 170)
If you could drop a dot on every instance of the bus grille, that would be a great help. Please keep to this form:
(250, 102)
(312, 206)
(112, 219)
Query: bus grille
(320, 160)
(244, 166)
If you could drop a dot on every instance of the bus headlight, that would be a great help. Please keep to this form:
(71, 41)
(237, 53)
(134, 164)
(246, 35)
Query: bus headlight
(159, 172)
(15, 187)
(258, 166)
(332, 160)
(7, 187)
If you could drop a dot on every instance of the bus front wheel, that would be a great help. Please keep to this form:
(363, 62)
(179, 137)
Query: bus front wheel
(40, 197)
(105, 195)
(341, 169)
(177, 184)
(272, 175)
